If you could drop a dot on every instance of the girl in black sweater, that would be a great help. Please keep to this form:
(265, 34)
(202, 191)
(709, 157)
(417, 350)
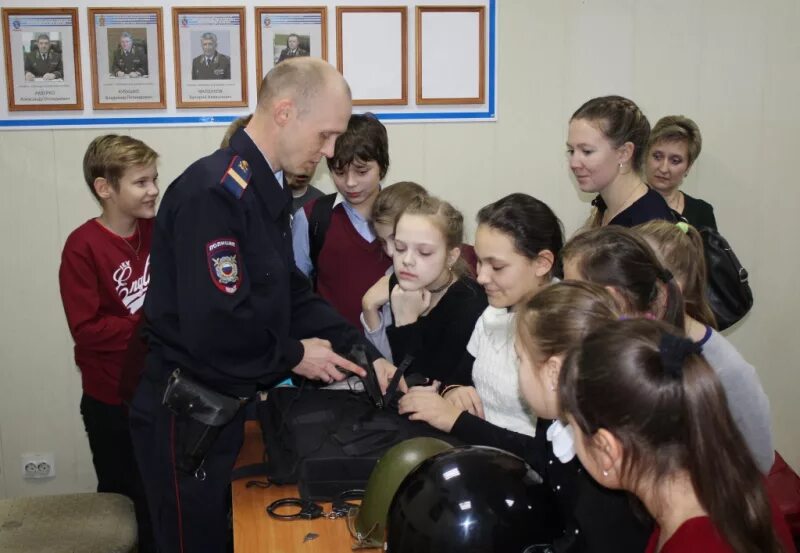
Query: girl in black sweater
(432, 302)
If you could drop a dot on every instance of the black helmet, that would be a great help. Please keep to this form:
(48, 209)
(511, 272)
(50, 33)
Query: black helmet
(471, 499)
(369, 525)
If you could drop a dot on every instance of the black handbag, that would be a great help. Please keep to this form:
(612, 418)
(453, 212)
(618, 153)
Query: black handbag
(728, 289)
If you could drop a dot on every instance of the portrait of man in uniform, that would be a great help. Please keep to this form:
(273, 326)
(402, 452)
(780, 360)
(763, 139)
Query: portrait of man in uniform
(130, 58)
(43, 62)
(293, 48)
(211, 64)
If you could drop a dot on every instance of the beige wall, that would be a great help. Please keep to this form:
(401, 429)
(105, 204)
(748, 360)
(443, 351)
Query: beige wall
(731, 65)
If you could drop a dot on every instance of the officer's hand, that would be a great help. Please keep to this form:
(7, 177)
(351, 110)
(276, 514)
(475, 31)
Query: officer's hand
(423, 403)
(49, 76)
(467, 399)
(29, 76)
(385, 372)
(120, 73)
(320, 361)
(134, 74)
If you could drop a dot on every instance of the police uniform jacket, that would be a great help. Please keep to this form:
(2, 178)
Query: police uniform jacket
(218, 67)
(38, 64)
(134, 60)
(226, 301)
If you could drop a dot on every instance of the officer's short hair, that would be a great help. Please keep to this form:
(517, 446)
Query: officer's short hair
(43, 36)
(125, 34)
(208, 36)
(293, 35)
(109, 156)
(299, 78)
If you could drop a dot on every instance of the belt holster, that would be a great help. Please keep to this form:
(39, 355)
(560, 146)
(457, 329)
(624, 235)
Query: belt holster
(200, 415)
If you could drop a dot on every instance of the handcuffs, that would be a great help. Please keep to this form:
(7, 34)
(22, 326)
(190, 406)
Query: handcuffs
(309, 510)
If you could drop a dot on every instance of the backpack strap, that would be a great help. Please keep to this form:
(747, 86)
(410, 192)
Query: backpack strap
(319, 219)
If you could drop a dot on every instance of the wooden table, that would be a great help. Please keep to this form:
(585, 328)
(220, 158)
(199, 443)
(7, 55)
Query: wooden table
(256, 532)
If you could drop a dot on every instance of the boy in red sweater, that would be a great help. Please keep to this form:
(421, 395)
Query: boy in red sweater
(103, 277)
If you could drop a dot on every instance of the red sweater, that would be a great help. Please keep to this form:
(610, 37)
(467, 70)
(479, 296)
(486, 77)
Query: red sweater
(698, 535)
(103, 282)
(348, 266)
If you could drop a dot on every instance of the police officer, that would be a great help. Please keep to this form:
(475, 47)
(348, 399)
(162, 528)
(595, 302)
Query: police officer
(211, 64)
(44, 63)
(226, 304)
(129, 59)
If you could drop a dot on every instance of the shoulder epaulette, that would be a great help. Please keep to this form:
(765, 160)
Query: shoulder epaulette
(237, 177)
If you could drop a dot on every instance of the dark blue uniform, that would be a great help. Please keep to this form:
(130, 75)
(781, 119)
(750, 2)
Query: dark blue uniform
(227, 305)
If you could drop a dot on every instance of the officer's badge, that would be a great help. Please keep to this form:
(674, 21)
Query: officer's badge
(237, 177)
(223, 264)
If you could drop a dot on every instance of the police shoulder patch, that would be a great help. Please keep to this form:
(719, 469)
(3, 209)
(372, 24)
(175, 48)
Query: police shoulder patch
(237, 176)
(223, 264)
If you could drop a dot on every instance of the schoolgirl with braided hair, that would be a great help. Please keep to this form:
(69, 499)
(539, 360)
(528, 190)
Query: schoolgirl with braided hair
(605, 148)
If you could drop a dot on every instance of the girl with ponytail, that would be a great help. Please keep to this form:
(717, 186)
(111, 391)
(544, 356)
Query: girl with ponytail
(650, 417)
(619, 259)
(680, 248)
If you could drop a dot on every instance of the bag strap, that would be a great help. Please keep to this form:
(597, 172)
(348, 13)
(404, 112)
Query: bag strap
(319, 219)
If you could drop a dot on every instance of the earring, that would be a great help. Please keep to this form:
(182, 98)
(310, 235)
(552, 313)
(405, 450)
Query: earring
(552, 388)
(620, 166)
(605, 473)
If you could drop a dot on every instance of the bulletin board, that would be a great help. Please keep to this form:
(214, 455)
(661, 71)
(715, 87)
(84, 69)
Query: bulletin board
(405, 62)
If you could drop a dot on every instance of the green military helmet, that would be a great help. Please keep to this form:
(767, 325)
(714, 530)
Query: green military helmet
(368, 524)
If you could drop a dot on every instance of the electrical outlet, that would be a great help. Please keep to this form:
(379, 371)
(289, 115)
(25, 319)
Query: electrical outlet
(38, 465)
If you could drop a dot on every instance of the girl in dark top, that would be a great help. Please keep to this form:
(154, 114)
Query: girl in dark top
(650, 417)
(606, 147)
(434, 302)
(546, 327)
(673, 148)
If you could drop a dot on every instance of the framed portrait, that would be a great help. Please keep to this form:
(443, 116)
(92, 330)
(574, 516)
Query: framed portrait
(372, 53)
(42, 51)
(210, 57)
(283, 33)
(127, 56)
(451, 54)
